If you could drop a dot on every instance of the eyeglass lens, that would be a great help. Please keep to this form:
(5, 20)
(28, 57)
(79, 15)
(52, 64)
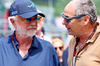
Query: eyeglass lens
(29, 19)
(58, 47)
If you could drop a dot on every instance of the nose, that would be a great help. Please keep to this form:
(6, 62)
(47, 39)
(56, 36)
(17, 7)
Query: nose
(33, 22)
(64, 22)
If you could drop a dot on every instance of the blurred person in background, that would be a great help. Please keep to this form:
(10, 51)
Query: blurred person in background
(65, 53)
(80, 19)
(59, 47)
(39, 32)
(43, 30)
(65, 57)
(23, 48)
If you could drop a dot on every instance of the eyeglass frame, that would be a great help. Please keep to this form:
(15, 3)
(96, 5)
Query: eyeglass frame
(75, 17)
(28, 20)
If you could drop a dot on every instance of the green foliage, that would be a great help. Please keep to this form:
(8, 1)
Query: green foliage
(41, 4)
(97, 3)
(59, 6)
(2, 8)
(44, 2)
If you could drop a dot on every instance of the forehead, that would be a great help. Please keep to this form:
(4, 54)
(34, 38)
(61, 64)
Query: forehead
(70, 9)
(57, 44)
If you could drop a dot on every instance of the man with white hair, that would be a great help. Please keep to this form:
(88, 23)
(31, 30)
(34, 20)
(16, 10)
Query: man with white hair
(23, 48)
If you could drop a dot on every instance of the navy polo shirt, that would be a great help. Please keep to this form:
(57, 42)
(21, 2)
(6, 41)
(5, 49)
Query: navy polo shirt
(65, 57)
(41, 53)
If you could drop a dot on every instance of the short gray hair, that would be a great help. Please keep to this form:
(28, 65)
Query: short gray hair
(10, 24)
(86, 7)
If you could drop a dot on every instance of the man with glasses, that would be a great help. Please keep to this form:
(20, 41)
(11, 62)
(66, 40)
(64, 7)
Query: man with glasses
(23, 48)
(59, 47)
(80, 18)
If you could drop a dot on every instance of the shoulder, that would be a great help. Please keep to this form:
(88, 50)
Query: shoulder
(66, 50)
(44, 43)
(5, 40)
(65, 57)
(46, 47)
(65, 53)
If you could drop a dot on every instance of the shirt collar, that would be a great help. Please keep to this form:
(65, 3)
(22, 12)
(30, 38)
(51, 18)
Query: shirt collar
(35, 42)
(15, 41)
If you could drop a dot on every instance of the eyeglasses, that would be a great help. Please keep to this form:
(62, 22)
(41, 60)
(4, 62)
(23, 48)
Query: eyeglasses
(68, 19)
(59, 48)
(28, 20)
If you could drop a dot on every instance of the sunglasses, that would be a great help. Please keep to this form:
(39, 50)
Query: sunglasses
(59, 48)
(28, 20)
(68, 19)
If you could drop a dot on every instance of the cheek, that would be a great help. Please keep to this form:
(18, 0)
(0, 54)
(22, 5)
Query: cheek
(22, 27)
(73, 23)
(60, 52)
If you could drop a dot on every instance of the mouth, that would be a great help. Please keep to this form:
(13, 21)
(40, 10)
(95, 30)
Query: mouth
(68, 29)
(31, 29)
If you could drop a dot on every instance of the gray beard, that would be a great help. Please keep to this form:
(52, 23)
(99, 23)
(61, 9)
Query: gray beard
(27, 34)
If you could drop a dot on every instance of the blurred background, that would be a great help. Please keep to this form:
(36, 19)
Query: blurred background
(52, 22)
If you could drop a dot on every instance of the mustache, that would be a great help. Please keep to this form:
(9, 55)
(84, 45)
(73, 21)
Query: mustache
(32, 27)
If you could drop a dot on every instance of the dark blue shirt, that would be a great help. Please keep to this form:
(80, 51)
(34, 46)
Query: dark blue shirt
(41, 53)
(65, 57)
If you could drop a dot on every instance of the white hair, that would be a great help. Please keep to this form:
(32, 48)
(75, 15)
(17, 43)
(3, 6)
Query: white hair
(10, 24)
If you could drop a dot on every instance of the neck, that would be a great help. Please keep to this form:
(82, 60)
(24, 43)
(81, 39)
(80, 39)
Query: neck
(60, 59)
(23, 40)
(84, 37)
(25, 43)
(38, 34)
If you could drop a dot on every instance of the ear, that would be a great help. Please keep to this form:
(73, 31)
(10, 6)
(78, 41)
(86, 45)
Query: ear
(86, 20)
(13, 22)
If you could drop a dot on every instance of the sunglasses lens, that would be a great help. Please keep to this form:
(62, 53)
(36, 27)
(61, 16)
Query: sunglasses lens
(67, 20)
(28, 19)
(55, 48)
(37, 18)
(58, 47)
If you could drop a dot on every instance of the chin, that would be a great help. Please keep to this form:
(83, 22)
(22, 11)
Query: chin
(27, 34)
(31, 33)
(69, 33)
